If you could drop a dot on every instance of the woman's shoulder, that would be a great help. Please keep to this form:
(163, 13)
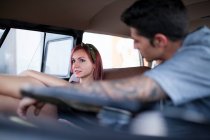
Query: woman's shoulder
(73, 79)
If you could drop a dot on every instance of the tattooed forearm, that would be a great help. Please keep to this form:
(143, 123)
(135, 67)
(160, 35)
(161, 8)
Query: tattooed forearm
(92, 89)
(136, 88)
(153, 91)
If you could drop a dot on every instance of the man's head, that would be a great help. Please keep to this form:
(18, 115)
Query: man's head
(158, 21)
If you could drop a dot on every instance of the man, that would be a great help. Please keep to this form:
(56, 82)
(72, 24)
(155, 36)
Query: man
(159, 29)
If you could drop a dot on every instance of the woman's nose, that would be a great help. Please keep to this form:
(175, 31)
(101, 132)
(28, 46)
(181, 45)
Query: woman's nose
(76, 64)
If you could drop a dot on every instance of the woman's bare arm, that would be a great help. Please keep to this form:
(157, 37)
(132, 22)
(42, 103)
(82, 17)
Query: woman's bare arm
(10, 95)
(11, 85)
(46, 79)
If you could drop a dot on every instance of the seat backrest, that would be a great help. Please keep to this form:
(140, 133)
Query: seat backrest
(117, 73)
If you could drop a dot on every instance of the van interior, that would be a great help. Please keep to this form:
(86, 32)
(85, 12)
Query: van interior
(56, 23)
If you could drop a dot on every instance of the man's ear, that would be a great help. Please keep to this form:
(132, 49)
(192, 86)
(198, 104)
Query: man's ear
(160, 40)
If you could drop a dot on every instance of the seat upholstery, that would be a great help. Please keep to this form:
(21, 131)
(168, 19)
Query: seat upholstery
(117, 73)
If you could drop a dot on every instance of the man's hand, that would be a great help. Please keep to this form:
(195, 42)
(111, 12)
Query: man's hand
(25, 103)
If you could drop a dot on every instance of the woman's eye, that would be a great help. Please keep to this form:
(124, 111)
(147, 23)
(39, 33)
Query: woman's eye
(73, 61)
(82, 60)
(136, 41)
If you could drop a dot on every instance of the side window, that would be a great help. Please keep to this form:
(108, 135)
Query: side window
(116, 52)
(21, 50)
(57, 58)
(1, 32)
(45, 52)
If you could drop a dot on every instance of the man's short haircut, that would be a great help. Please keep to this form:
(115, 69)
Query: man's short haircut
(149, 17)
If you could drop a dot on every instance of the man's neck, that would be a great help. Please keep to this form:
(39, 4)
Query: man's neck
(171, 49)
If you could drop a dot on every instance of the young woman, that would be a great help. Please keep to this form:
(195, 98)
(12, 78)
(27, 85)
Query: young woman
(86, 65)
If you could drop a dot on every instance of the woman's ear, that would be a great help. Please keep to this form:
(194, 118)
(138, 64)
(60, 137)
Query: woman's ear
(160, 40)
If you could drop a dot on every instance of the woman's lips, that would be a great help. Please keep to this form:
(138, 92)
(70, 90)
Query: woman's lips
(77, 72)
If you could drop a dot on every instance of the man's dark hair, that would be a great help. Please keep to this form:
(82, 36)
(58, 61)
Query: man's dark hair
(149, 17)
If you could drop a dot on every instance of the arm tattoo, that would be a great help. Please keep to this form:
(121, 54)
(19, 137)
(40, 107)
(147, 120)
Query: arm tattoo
(139, 88)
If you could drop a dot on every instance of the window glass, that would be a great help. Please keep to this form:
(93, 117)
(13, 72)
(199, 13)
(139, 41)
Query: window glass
(58, 53)
(116, 52)
(29, 50)
(1, 32)
(21, 50)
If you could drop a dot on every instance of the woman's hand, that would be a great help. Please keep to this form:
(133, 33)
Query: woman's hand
(24, 105)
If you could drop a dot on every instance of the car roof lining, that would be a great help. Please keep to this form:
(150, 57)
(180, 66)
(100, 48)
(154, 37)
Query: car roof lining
(99, 16)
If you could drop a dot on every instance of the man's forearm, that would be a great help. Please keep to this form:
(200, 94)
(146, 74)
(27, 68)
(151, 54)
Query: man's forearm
(139, 88)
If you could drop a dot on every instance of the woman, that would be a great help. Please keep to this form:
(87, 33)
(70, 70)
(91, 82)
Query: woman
(86, 64)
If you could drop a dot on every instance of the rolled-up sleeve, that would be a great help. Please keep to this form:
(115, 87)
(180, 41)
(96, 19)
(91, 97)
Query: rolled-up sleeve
(186, 76)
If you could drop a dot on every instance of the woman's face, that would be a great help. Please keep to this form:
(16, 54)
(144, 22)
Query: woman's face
(81, 65)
